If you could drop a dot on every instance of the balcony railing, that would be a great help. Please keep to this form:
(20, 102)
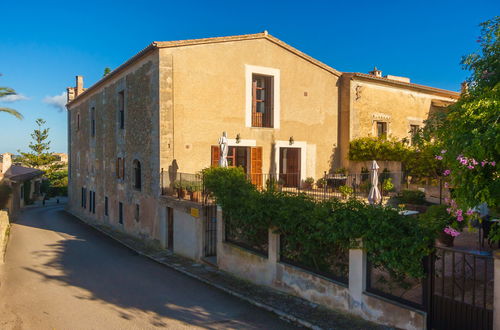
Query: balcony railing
(189, 186)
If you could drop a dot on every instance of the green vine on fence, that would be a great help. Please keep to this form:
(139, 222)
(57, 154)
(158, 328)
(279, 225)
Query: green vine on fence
(396, 242)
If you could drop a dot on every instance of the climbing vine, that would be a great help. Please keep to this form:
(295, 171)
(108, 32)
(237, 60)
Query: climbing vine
(396, 242)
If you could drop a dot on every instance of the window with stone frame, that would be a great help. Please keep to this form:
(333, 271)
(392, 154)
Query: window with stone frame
(413, 133)
(381, 127)
(137, 175)
(262, 100)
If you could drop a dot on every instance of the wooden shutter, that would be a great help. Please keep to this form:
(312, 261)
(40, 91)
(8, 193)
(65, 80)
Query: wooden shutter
(269, 114)
(215, 156)
(256, 166)
(118, 167)
(123, 168)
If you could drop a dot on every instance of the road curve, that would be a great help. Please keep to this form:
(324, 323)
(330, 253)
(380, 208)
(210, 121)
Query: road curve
(62, 274)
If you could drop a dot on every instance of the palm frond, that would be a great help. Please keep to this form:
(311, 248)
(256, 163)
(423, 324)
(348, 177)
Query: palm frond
(4, 91)
(13, 112)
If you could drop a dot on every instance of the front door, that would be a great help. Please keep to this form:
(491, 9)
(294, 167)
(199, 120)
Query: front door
(290, 166)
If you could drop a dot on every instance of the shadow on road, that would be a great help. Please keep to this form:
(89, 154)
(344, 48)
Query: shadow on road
(133, 285)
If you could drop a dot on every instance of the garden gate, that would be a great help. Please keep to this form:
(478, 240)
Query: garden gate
(210, 217)
(461, 290)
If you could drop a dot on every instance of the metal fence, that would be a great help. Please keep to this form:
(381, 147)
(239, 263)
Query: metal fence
(335, 265)
(189, 186)
(405, 290)
(257, 242)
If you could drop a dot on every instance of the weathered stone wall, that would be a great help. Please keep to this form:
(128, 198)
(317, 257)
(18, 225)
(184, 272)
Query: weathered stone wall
(93, 159)
(4, 233)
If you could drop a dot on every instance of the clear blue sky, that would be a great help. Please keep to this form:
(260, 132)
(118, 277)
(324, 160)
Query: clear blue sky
(44, 44)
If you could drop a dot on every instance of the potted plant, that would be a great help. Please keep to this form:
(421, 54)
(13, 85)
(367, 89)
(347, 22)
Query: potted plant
(308, 183)
(346, 191)
(180, 186)
(321, 183)
(387, 186)
(194, 189)
(446, 221)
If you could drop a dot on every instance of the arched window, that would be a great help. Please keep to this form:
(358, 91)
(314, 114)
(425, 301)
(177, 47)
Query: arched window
(137, 174)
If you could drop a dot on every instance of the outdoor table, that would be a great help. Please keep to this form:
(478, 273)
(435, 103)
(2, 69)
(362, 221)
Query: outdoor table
(336, 181)
(408, 212)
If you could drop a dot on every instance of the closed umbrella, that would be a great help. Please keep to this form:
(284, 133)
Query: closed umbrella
(374, 196)
(224, 146)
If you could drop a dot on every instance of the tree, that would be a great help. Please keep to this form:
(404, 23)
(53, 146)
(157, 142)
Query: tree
(469, 130)
(41, 158)
(6, 91)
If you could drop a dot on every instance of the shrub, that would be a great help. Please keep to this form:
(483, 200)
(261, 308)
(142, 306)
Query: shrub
(387, 185)
(313, 229)
(412, 197)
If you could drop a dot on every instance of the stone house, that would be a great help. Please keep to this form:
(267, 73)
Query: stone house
(376, 105)
(25, 183)
(163, 111)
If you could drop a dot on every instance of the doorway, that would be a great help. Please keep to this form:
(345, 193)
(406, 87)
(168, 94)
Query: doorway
(170, 229)
(290, 167)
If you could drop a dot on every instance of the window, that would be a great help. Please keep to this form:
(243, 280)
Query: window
(262, 101)
(121, 109)
(381, 129)
(413, 133)
(93, 202)
(120, 212)
(92, 121)
(120, 168)
(262, 96)
(106, 211)
(137, 209)
(78, 122)
(84, 197)
(137, 174)
(90, 201)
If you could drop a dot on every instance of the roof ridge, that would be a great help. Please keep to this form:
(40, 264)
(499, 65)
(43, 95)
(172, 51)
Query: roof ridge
(402, 83)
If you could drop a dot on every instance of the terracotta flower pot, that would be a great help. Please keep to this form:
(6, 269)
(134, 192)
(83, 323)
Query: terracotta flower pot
(445, 239)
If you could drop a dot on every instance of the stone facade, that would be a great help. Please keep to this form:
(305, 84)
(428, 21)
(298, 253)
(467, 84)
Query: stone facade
(178, 98)
(367, 99)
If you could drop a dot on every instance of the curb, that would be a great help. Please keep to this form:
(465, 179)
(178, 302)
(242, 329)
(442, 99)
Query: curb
(271, 309)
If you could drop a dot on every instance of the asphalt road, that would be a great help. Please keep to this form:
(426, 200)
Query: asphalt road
(61, 274)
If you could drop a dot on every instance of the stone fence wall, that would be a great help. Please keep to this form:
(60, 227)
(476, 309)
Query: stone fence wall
(4, 233)
(352, 298)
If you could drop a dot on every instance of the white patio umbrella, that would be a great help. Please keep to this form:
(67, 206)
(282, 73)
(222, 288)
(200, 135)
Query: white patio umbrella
(224, 146)
(374, 196)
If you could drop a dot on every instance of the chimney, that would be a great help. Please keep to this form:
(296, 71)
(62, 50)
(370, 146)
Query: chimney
(79, 85)
(70, 94)
(376, 72)
(7, 162)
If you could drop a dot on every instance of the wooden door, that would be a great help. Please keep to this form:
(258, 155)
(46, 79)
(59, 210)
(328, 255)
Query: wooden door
(290, 166)
(256, 166)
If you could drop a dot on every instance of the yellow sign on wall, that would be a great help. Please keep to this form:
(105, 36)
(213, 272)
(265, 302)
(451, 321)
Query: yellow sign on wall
(195, 212)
